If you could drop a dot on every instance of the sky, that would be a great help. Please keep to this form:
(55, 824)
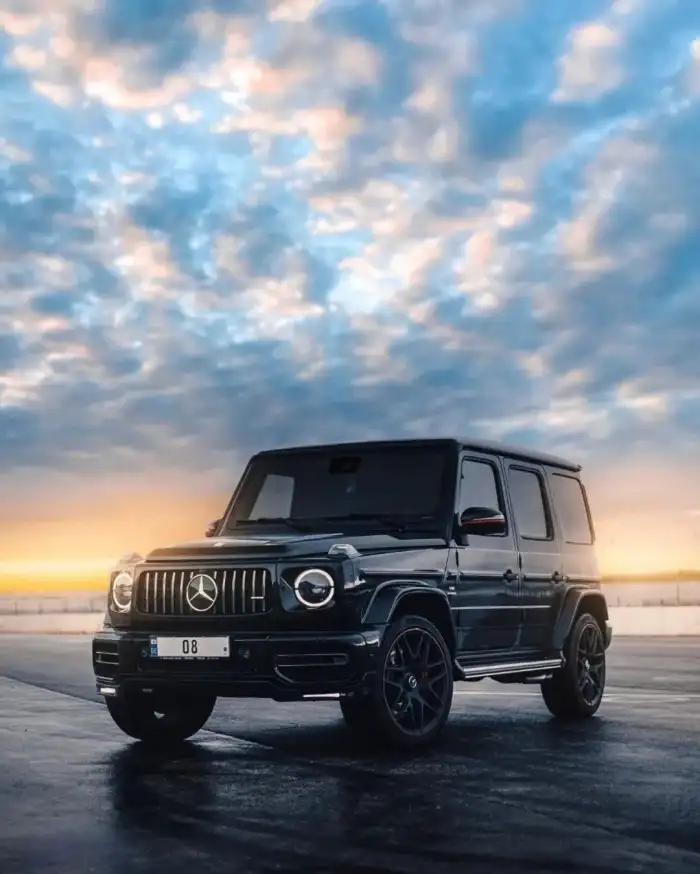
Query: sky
(233, 224)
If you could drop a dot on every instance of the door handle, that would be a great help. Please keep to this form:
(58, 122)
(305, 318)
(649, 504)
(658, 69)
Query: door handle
(510, 576)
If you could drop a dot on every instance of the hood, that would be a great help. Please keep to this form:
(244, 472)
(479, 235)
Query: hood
(278, 545)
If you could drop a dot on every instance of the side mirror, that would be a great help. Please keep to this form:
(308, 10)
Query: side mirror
(482, 520)
(211, 528)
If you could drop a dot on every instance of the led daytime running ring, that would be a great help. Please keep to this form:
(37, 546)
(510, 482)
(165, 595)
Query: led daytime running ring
(310, 604)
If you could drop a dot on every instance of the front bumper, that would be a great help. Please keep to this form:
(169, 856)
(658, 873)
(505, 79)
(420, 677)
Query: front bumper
(282, 667)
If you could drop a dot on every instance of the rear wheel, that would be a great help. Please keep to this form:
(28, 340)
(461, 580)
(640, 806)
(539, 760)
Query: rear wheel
(412, 694)
(576, 690)
(166, 718)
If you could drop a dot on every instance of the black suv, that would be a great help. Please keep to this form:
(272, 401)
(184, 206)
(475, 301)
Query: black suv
(378, 573)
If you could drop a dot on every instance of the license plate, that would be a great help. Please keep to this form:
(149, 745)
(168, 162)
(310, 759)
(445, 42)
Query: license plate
(190, 647)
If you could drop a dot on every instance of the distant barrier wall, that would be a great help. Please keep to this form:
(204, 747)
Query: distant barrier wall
(681, 594)
(633, 594)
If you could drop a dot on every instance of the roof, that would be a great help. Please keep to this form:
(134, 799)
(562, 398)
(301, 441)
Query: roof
(521, 453)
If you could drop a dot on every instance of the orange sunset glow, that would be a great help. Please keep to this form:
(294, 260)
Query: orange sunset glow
(73, 548)
(642, 525)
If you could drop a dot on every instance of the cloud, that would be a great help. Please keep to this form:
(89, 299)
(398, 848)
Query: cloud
(229, 225)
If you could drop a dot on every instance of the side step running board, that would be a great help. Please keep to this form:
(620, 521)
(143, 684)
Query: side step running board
(482, 671)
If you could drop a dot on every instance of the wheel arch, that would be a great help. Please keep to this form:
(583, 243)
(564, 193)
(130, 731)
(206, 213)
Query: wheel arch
(576, 602)
(397, 598)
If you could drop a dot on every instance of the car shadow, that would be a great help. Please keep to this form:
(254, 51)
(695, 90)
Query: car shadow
(466, 734)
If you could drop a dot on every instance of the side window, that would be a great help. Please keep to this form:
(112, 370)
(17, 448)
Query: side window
(571, 509)
(274, 498)
(529, 504)
(480, 487)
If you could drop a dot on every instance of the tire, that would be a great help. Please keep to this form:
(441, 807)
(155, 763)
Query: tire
(358, 713)
(576, 690)
(412, 692)
(166, 720)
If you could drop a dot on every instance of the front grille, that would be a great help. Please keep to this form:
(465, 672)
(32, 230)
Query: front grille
(241, 591)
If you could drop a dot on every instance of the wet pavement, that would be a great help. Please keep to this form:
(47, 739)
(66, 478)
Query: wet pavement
(275, 787)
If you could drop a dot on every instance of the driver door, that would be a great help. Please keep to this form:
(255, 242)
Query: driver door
(486, 597)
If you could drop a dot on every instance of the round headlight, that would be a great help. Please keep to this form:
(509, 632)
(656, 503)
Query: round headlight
(121, 591)
(314, 588)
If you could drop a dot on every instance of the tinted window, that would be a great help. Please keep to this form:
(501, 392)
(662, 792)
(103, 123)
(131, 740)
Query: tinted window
(529, 506)
(571, 509)
(316, 485)
(479, 485)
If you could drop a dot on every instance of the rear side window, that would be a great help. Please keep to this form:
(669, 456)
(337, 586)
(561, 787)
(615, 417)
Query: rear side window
(571, 509)
(529, 504)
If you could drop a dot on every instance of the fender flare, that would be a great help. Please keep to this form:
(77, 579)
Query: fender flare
(387, 597)
(574, 600)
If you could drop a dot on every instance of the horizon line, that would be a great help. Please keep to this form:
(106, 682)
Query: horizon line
(48, 567)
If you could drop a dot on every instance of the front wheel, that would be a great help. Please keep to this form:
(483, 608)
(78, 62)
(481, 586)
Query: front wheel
(576, 690)
(164, 719)
(412, 695)
(358, 713)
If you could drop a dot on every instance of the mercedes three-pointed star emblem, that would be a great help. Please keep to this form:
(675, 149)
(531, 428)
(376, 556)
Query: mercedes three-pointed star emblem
(201, 593)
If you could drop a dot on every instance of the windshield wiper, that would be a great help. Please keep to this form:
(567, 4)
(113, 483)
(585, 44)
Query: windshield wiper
(279, 520)
(397, 523)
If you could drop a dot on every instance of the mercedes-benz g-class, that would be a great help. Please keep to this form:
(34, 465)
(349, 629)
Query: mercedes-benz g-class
(379, 573)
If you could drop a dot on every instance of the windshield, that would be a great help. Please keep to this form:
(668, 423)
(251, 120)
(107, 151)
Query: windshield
(392, 487)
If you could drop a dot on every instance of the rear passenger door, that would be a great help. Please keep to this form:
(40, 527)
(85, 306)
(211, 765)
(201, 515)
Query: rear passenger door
(539, 550)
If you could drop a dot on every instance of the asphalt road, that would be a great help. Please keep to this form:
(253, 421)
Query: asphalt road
(274, 787)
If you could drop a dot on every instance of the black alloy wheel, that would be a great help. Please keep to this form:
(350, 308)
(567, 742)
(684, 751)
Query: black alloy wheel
(576, 690)
(591, 663)
(416, 688)
(412, 695)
